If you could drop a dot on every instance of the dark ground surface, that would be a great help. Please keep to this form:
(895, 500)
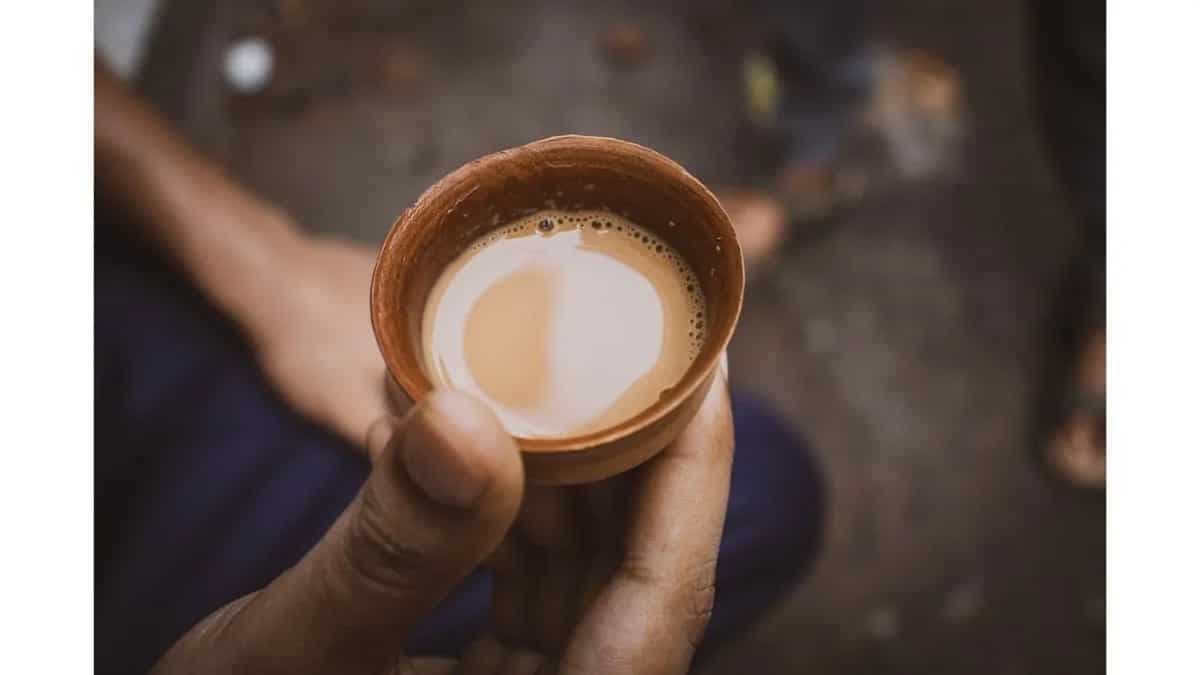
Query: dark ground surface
(904, 344)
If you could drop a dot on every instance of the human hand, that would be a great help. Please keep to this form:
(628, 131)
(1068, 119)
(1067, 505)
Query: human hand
(315, 343)
(617, 576)
(587, 581)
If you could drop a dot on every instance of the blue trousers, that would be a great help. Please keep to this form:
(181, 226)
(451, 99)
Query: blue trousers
(208, 486)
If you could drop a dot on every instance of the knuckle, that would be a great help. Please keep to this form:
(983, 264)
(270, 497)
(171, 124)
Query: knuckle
(701, 596)
(376, 554)
(639, 570)
(690, 596)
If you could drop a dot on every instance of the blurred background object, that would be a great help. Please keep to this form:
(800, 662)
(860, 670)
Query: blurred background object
(907, 230)
(122, 27)
(248, 65)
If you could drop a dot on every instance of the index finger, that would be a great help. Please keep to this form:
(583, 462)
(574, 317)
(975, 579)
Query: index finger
(680, 499)
(652, 614)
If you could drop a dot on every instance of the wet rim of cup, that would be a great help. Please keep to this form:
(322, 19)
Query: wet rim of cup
(417, 384)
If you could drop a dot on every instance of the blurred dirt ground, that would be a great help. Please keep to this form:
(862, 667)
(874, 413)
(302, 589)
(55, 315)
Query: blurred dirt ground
(904, 342)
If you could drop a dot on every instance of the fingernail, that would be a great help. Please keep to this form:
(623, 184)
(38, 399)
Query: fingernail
(435, 464)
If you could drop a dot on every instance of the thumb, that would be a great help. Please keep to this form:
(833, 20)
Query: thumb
(444, 489)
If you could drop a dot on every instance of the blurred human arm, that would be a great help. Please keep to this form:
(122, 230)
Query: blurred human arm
(301, 301)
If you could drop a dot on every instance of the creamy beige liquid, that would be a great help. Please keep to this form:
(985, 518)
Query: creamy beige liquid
(565, 322)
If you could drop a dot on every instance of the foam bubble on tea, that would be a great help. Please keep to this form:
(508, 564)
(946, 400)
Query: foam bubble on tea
(564, 322)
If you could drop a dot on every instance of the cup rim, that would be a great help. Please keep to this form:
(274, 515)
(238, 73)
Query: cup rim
(417, 384)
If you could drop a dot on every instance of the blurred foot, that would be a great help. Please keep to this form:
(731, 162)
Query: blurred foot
(1076, 448)
(1074, 440)
(758, 219)
(803, 194)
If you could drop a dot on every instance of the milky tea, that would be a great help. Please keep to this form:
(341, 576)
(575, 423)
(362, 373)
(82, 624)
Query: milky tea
(564, 322)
